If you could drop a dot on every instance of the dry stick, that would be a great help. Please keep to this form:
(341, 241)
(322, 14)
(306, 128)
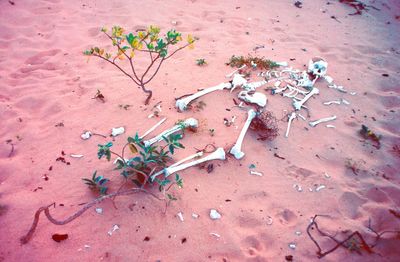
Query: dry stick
(12, 150)
(25, 239)
(363, 245)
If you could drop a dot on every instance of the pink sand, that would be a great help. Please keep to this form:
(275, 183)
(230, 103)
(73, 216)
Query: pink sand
(45, 80)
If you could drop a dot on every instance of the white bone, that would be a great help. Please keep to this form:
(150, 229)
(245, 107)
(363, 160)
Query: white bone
(190, 122)
(322, 120)
(198, 154)
(298, 104)
(236, 150)
(254, 85)
(301, 116)
(328, 79)
(282, 63)
(218, 154)
(332, 102)
(256, 98)
(182, 104)
(292, 116)
(117, 131)
(344, 101)
(238, 80)
(234, 72)
(317, 67)
(153, 127)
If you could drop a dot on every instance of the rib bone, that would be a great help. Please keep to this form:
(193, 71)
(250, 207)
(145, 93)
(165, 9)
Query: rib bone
(190, 122)
(292, 116)
(298, 104)
(237, 148)
(322, 120)
(182, 104)
(153, 127)
(218, 154)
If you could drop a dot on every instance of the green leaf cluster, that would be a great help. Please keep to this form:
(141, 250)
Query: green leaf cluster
(97, 183)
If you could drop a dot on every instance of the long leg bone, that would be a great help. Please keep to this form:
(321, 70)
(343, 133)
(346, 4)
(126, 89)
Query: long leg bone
(234, 72)
(153, 127)
(198, 154)
(322, 120)
(298, 104)
(218, 154)
(237, 148)
(182, 104)
(292, 116)
(190, 122)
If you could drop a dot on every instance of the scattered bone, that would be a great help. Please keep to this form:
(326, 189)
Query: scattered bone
(218, 154)
(117, 131)
(353, 93)
(190, 122)
(277, 84)
(338, 102)
(292, 116)
(183, 103)
(298, 187)
(113, 229)
(157, 110)
(118, 158)
(256, 173)
(292, 246)
(214, 215)
(215, 235)
(99, 210)
(253, 97)
(180, 216)
(195, 216)
(237, 148)
(254, 85)
(234, 72)
(319, 188)
(344, 101)
(153, 128)
(86, 135)
(76, 156)
(330, 126)
(297, 233)
(298, 104)
(282, 63)
(322, 120)
(328, 79)
(327, 175)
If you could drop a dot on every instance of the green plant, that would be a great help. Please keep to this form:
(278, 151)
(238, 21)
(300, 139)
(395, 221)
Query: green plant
(146, 41)
(259, 62)
(97, 183)
(201, 62)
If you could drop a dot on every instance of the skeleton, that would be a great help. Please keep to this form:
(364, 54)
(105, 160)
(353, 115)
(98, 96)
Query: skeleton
(298, 104)
(190, 122)
(322, 120)
(218, 154)
(254, 85)
(253, 97)
(234, 72)
(291, 117)
(236, 150)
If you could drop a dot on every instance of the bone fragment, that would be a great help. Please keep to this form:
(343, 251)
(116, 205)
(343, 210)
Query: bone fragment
(182, 104)
(322, 120)
(234, 72)
(332, 102)
(218, 154)
(153, 127)
(190, 122)
(292, 116)
(298, 104)
(117, 131)
(237, 81)
(237, 148)
(254, 98)
(254, 85)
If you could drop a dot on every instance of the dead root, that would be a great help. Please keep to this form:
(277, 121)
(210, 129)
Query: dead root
(353, 242)
(265, 125)
(25, 239)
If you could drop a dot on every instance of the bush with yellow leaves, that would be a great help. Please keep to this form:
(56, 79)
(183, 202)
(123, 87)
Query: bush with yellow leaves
(145, 41)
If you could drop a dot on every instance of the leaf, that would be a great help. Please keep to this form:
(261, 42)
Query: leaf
(133, 148)
(190, 39)
(163, 53)
(171, 197)
(171, 148)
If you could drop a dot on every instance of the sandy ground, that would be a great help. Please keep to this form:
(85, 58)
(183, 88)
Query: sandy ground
(45, 80)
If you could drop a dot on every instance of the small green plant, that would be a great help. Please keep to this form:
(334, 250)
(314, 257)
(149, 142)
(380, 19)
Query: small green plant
(201, 62)
(97, 183)
(148, 42)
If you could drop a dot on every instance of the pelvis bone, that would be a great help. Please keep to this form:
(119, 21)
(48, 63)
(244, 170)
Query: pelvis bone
(253, 97)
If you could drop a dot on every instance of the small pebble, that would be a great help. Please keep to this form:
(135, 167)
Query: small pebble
(86, 135)
(292, 245)
(99, 210)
